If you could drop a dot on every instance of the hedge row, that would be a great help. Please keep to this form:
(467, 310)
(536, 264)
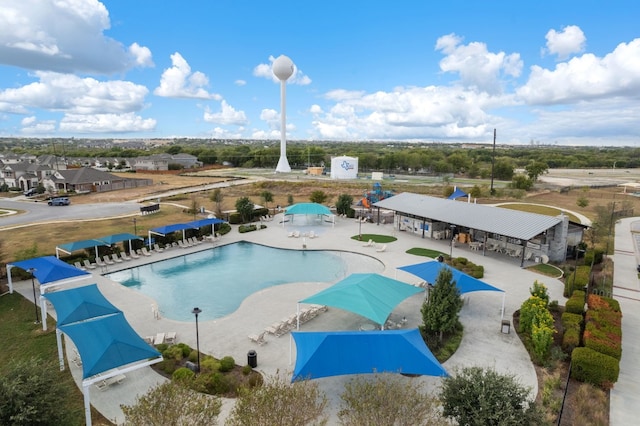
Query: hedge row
(575, 304)
(593, 367)
(571, 325)
(578, 279)
(603, 326)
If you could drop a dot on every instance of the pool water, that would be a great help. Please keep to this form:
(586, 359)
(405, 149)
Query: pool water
(219, 279)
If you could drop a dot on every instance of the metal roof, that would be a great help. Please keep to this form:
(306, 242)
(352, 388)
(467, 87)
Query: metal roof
(507, 222)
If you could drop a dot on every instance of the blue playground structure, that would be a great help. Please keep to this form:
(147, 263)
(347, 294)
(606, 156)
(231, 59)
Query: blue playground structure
(375, 195)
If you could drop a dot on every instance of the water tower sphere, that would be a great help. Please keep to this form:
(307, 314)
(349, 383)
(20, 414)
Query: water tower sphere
(283, 67)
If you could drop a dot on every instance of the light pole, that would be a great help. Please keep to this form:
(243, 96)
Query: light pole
(197, 311)
(360, 226)
(35, 301)
(451, 243)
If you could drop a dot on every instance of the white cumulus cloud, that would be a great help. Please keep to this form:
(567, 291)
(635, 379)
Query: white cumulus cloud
(180, 82)
(63, 36)
(227, 115)
(106, 123)
(566, 42)
(476, 66)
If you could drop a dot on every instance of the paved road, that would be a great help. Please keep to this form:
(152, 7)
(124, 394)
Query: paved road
(37, 212)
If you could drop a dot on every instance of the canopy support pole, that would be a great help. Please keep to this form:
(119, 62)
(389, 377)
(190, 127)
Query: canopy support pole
(9, 268)
(504, 294)
(59, 343)
(290, 349)
(87, 404)
(43, 310)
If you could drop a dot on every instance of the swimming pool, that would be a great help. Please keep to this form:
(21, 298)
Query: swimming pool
(219, 279)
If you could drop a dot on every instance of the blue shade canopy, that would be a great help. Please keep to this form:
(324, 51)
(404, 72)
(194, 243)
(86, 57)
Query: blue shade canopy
(168, 229)
(371, 295)
(79, 304)
(106, 343)
(308, 208)
(457, 194)
(116, 238)
(50, 269)
(80, 245)
(205, 222)
(429, 271)
(324, 354)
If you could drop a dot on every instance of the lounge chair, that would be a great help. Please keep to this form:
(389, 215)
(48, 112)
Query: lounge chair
(134, 255)
(182, 244)
(145, 251)
(100, 262)
(124, 256)
(79, 266)
(88, 264)
(258, 338)
(104, 384)
(107, 260)
(368, 243)
(381, 248)
(115, 258)
(312, 234)
(170, 338)
(159, 339)
(157, 248)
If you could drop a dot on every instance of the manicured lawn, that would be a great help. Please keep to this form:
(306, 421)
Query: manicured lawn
(380, 239)
(419, 251)
(21, 338)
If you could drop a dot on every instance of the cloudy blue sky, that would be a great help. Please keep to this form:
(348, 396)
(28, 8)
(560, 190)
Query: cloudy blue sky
(550, 72)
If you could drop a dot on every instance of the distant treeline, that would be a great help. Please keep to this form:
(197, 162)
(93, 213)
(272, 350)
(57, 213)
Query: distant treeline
(473, 160)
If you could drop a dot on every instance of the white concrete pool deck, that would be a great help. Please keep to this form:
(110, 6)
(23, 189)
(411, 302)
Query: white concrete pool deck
(483, 344)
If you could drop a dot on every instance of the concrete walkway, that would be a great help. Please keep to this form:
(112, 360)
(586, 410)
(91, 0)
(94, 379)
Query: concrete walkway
(625, 396)
(483, 344)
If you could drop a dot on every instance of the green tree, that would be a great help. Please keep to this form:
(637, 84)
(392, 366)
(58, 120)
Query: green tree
(582, 201)
(216, 198)
(245, 207)
(440, 311)
(278, 402)
(521, 182)
(479, 397)
(31, 393)
(318, 196)
(343, 205)
(536, 168)
(267, 196)
(290, 200)
(172, 404)
(367, 401)
(503, 169)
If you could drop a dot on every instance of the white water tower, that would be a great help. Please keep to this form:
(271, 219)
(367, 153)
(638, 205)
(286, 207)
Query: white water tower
(283, 69)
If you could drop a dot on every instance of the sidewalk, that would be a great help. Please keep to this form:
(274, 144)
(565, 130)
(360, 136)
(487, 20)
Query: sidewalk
(625, 395)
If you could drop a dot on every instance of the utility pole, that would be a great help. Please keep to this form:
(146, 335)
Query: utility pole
(493, 161)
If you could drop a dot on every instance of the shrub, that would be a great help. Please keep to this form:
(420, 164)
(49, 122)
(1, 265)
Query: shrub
(593, 367)
(553, 306)
(577, 280)
(183, 374)
(575, 304)
(540, 290)
(533, 311)
(186, 350)
(224, 228)
(594, 256)
(246, 228)
(570, 339)
(227, 364)
(542, 338)
(570, 320)
(209, 363)
(173, 352)
(246, 370)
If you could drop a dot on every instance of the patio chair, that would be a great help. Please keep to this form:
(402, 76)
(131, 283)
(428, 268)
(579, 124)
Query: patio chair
(115, 258)
(88, 264)
(527, 255)
(159, 339)
(258, 338)
(104, 384)
(170, 338)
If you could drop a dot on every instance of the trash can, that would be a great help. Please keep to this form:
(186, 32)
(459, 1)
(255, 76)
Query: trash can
(252, 358)
(505, 326)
